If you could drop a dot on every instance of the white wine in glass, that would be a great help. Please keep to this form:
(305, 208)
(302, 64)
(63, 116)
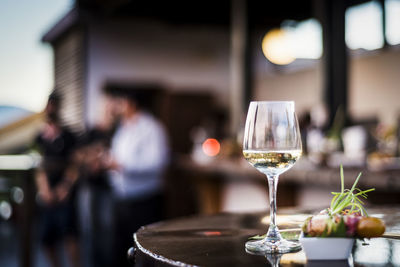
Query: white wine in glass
(272, 145)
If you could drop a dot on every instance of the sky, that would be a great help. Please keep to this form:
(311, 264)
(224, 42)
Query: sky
(26, 64)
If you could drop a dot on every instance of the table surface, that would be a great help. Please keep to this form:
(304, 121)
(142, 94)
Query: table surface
(218, 240)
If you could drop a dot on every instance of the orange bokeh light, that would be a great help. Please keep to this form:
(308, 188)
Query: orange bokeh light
(211, 147)
(212, 233)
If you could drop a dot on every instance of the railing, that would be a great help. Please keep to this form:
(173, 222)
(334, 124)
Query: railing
(17, 174)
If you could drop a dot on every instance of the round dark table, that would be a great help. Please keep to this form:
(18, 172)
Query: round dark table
(218, 240)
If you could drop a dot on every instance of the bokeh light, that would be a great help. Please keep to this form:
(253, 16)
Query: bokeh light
(211, 147)
(293, 40)
(17, 194)
(276, 47)
(5, 210)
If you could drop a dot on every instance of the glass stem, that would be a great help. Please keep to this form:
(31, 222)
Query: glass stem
(273, 232)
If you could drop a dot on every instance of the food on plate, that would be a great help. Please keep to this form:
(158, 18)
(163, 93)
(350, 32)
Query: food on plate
(346, 216)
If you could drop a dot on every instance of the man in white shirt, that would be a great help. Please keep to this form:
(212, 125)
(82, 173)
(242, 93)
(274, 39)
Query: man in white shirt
(139, 149)
(139, 155)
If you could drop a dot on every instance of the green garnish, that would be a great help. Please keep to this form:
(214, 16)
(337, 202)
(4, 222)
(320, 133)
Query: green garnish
(334, 229)
(290, 235)
(257, 237)
(349, 198)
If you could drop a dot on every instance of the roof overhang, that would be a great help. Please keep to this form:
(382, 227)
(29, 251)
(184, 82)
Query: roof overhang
(62, 26)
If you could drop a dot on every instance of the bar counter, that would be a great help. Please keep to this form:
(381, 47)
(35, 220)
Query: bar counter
(302, 172)
(211, 178)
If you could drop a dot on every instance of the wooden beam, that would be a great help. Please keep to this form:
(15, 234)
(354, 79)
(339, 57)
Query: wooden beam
(382, 6)
(335, 59)
(240, 65)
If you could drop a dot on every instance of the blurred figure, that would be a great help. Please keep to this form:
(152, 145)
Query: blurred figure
(95, 193)
(139, 155)
(55, 181)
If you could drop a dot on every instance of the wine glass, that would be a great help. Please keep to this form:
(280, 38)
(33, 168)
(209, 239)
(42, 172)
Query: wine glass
(272, 144)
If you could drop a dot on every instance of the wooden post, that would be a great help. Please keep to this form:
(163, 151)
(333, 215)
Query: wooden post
(26, 220)
(240, 64)
(382, 5)
(334, 60)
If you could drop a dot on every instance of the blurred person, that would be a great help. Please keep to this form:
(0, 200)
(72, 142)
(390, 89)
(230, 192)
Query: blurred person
(139, 154)
(55, 181)
(95, 193)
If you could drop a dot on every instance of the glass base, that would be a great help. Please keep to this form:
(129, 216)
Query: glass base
(272, 246)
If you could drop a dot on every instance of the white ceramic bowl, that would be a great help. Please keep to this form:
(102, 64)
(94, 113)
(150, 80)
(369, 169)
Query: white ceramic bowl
(326, 248)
